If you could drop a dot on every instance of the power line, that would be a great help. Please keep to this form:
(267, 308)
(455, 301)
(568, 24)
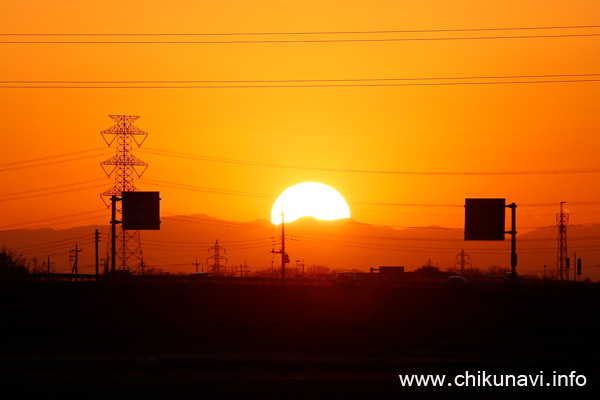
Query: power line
(533, 205)
(295, 80)
(312, 32)
(286, 41)
(292, 86)
(194, 247)
(215, 222)
(64, 222)
(49, 157)
(155, 246)
(404, 204)
(262, 195)
(168, 265)
(53, 218)
(52, 193)
(51, 244)
(49, 188)
(460, 215)
(62, 249)
(198, 157)
(421, 239)
(574, 203)
(258, 246)
(204, 244)
(204, 189)
(51, 162)
(420, 249)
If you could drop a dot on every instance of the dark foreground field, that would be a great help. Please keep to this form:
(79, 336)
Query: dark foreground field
(172, 340)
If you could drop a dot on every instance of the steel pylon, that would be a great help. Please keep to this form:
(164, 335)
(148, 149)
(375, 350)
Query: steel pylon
(124, 166)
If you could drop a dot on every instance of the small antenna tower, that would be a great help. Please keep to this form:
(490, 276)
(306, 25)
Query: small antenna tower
(124, 166)
(216, 258)
(562, 220)
(462, 261)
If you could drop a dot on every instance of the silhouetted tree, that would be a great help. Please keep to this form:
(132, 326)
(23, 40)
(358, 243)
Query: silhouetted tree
(12, 263)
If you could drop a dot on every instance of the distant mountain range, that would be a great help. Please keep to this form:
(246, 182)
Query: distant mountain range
(340, 244)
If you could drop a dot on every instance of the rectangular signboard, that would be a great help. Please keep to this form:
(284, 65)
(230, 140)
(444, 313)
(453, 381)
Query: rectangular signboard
(141, 210)
(484, 219)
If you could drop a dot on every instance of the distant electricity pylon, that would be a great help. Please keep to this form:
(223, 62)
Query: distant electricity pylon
(562, 219)
(216, 258)
(124, 166)
(74, 260)
(462, 261)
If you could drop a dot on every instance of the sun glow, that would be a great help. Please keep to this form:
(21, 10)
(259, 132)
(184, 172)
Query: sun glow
(309, 199)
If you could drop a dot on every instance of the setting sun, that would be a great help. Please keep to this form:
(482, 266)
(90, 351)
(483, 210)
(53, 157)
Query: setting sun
(309, 199)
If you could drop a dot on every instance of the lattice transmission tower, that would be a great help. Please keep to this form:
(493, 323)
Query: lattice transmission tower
(124, 166)
(216, 267)
(562, 219)
(462, 258)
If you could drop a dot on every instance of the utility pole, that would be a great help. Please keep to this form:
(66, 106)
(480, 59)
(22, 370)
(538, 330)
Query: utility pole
(242, 267)
(284, 257)
(48, 263)
(562, 219)
(196, 264)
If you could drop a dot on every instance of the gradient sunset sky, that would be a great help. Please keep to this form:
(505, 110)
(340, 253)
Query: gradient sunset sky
(473, 101)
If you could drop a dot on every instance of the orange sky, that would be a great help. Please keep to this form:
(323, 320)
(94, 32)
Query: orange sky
(444, 128)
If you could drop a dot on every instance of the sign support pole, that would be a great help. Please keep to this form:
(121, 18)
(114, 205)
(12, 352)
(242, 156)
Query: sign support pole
(113, 222)
(513, 241)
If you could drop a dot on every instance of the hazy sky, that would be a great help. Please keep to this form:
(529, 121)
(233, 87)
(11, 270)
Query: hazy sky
(494, 112)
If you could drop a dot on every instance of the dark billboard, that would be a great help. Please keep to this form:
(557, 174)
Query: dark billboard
(484, 219)
(141, 210)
